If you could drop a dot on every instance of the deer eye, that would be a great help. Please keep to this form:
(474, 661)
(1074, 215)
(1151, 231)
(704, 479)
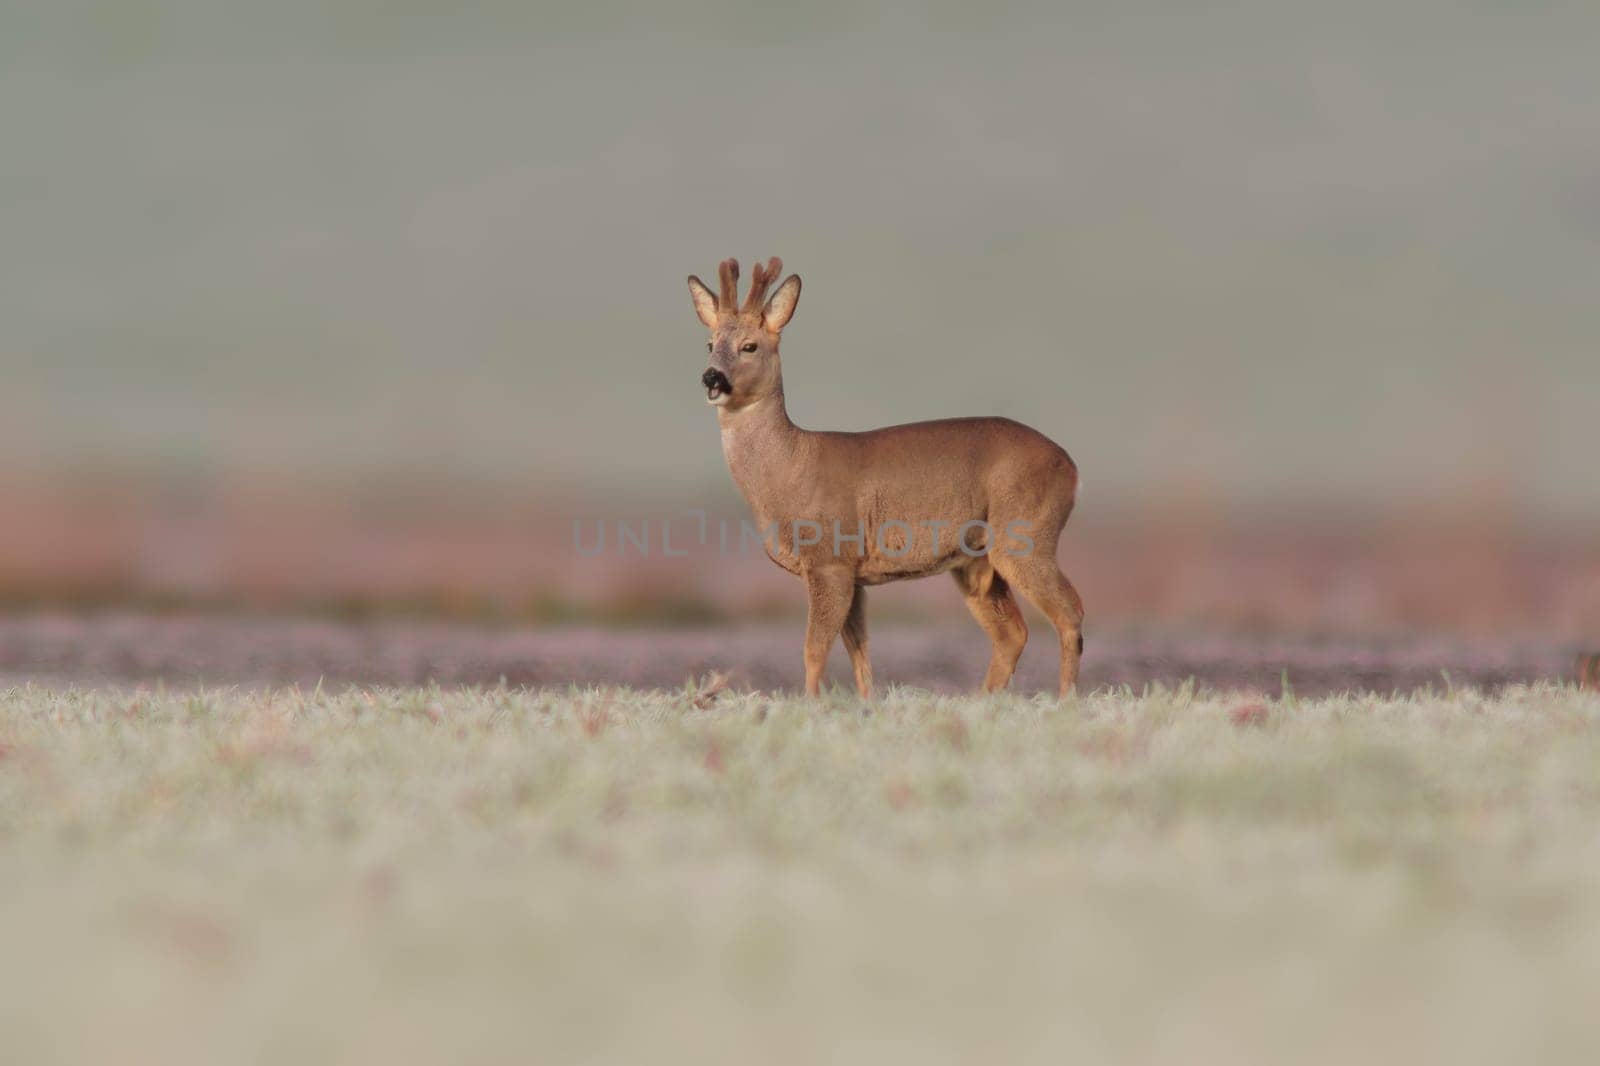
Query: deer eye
(708, 346)
(750, 347)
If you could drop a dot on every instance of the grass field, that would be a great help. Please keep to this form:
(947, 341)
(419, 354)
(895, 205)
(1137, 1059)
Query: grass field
(610, 875)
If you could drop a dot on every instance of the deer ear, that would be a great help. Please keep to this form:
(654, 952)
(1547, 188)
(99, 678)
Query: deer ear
(780, 309)
(705, 302)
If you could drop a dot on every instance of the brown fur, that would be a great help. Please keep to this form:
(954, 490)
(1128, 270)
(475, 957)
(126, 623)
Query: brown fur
(1589, 671)
(952, 471)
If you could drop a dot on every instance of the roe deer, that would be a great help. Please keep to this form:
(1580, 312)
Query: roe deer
(984, 498)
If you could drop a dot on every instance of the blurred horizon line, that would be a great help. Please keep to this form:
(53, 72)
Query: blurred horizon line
(1188, 492)
(490, 550)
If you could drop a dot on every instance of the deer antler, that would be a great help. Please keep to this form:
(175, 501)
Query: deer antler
(728, 272)
(761, 282)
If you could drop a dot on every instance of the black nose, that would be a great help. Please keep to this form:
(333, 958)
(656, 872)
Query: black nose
(715, 379)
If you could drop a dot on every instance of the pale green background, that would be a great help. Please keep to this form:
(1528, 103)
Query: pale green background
(1346, 252)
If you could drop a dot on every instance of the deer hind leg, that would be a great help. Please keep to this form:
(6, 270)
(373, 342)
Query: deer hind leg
(829, 594)
(1037, 577)
(855, 641)
(995, 609)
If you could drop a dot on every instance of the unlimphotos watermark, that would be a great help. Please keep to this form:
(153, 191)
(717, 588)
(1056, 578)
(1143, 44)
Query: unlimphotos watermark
(892, 538)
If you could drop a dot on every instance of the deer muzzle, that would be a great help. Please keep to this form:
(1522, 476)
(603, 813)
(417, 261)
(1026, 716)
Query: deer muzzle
(718, 387)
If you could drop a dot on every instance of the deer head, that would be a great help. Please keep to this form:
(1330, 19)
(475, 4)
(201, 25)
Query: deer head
(744, 367)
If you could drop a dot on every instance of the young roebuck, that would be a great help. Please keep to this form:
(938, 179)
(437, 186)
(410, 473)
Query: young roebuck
(984, 498)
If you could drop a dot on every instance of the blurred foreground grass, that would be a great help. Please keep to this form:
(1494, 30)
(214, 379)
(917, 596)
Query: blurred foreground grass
(606, 875)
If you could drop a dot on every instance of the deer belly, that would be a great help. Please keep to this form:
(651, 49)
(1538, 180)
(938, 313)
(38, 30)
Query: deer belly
(895, 551)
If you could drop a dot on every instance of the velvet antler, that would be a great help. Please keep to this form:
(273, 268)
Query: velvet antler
(765, 275)
(728, 272)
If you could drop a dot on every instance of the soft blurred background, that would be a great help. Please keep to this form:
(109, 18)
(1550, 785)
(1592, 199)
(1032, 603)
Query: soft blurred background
(358, 307)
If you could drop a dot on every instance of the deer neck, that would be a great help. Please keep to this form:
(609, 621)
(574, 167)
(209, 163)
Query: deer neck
(767, 454)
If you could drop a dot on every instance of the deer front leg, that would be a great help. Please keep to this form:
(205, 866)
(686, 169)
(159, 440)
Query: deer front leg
(855, 642)
(829, 592)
